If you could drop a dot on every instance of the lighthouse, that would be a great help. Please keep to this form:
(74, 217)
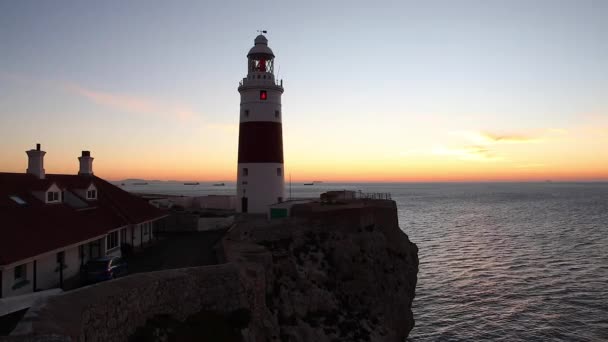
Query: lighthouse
(260, 174)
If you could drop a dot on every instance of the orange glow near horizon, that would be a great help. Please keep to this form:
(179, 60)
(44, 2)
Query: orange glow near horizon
(575, 155)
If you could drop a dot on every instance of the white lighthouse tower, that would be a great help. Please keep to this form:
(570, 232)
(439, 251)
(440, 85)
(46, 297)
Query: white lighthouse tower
(260, 179)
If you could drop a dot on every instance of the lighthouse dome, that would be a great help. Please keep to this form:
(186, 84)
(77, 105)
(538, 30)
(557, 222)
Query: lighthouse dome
(260, 48)
(260, 39)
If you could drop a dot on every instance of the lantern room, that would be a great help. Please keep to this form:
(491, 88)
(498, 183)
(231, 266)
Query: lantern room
(260, 56)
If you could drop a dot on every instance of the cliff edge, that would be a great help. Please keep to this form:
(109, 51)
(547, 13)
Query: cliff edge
(331, 272)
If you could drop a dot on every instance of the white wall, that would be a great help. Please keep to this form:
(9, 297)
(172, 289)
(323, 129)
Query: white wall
(262, 188)
(148, 236)
(46, 277)
(47, 268)
(135, 230)
(8, 281)
(225, 202)
(139, 237)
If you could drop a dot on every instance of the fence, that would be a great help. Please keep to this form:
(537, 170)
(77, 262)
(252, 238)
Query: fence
(374, 195)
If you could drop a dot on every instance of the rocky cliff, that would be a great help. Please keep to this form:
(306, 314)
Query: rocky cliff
(333, 273)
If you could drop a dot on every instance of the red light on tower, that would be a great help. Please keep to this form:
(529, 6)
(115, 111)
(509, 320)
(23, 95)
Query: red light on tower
(263, 95)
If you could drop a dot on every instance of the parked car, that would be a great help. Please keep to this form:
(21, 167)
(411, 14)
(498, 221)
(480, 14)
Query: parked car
(101, 269)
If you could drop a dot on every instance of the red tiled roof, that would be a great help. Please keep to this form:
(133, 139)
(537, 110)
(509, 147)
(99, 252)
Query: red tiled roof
(35, 228)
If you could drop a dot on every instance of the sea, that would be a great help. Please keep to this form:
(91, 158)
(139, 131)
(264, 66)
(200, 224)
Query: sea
(498, 261)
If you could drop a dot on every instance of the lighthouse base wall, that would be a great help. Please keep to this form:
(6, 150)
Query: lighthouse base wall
(261, 185)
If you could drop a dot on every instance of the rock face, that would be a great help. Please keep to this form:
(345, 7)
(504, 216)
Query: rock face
(331, 274)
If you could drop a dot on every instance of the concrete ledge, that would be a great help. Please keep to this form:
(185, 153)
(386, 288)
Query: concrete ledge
(17, 303)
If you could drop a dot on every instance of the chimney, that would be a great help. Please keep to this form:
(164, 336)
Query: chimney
(35, 162)
(86, 164)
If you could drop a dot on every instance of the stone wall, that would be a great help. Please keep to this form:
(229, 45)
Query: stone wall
(214, 223)
(178, 222)
(112, 311)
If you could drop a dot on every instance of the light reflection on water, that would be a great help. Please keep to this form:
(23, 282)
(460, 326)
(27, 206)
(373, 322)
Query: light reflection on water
(498, 261)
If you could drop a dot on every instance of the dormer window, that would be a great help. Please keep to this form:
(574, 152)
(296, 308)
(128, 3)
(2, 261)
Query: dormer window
(52, 196)
(92, 194)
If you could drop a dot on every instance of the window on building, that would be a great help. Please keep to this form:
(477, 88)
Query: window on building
(279, 171)
(20, 272)
(52, 196)
(61, 258)
(245, 171)
(244, 183)
(92, 194)
(277, 113)
(146, 228)
(247, 112)
(112, 240)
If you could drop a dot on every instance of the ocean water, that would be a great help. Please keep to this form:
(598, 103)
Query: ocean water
(498, 261)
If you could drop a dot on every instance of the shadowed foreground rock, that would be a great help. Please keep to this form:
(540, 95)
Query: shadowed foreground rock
(333, 272)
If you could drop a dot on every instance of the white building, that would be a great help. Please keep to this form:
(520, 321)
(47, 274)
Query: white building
(260, 179)
(52, 224)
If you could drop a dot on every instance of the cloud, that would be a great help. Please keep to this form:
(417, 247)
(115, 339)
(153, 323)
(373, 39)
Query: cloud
(120, 102)
(480, 145)
(507, 139)
(488, 138)
(474, 152)
(134, 104)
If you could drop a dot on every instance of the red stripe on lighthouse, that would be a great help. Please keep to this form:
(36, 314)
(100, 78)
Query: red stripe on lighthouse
(260, 142)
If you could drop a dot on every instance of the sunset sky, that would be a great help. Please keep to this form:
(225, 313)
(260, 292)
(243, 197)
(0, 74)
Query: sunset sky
(374, 90)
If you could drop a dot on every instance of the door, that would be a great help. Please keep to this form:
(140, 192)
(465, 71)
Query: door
(244, 204)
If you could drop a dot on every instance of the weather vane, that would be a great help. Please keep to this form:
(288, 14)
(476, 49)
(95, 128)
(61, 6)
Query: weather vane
(262, 31)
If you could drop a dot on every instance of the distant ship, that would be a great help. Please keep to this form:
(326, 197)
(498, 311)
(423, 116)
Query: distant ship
(309, 183)
(195, 183)
(219, 184)
(145, 183)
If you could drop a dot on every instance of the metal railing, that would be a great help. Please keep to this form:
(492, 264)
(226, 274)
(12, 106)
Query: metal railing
(373, 195)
